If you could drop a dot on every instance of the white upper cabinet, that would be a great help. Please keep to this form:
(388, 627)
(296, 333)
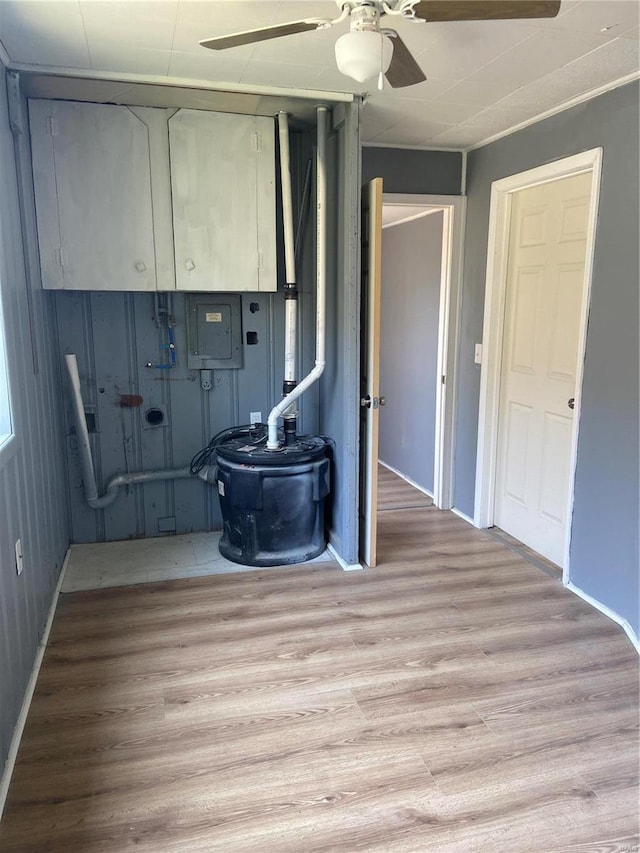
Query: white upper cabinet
(142, 198)
(92, 167)
(223, 192)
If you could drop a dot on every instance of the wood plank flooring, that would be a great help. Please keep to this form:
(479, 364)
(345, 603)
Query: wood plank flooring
(396, 493)
(455, 698)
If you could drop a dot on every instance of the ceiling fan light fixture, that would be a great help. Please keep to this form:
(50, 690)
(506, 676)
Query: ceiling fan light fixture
(363, 54)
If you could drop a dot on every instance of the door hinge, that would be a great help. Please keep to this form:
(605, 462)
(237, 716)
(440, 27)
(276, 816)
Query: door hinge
(52, 126)
(259, 260)
(256, 142)
(62, 256)
(443, 379)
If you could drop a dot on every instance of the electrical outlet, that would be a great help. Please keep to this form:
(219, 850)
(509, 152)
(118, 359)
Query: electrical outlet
(255, 418)
(19, 560)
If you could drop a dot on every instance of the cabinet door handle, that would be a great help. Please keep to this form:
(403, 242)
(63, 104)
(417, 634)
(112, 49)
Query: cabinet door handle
(141, 266)
(189, 265)
(571, 402)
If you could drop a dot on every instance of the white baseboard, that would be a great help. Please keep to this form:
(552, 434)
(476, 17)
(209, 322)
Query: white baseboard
(615, 617)
(346, 567)
(31, 686)
(407, 479)
(463, 516)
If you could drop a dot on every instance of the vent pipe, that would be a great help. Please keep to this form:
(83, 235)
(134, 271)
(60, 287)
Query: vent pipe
(290, 286)
(321, 284)
(86, 459)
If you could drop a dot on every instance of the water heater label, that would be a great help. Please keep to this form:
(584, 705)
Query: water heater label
(221, 487)
(213, 317)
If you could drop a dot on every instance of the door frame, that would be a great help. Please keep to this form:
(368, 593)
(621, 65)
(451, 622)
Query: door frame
(370, 316)
(454, 209)
(494, 322)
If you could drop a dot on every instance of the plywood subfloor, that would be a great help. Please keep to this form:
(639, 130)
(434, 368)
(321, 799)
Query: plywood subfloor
(453, 699)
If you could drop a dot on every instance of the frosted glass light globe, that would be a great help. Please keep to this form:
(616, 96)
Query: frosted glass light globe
(362, 54)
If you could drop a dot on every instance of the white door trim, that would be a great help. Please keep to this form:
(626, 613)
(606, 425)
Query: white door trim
(454, 209)
(493, 329)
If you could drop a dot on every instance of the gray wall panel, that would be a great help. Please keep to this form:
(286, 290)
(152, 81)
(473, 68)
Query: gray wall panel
(114, 337)
(406, 170)
(339, 399)
(411, 268)
(121, 443)
(604, 543)
(33, 505)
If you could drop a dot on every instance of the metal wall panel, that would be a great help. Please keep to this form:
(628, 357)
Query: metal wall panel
(114, 337)
(33, 494)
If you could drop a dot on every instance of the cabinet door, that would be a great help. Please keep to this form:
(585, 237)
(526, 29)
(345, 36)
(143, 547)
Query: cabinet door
(93, 196)
(223, 191)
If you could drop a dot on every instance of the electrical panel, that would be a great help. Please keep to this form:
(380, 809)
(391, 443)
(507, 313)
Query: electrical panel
(214, 331)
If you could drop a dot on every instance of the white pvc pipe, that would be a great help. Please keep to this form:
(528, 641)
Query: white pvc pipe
(291, 337)
(291, 305)
(321, 284)
(321, 236)
(118, 480)
(287, 203)
(86, 459)
(82, 433)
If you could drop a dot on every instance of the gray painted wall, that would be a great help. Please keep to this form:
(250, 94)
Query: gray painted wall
(339, 400)
(407, 170)
(114, 336)
(33, 505)
(411, 269)
(604, 542)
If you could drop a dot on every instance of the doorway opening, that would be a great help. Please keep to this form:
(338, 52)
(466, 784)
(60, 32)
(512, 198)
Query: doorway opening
(540, 254)
(409, 336)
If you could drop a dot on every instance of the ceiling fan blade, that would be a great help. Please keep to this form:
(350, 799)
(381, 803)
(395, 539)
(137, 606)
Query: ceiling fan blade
(404, 70)
(484, 10)
(262, 34)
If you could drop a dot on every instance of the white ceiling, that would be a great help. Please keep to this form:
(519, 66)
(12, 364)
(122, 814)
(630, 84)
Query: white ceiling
(484, 78)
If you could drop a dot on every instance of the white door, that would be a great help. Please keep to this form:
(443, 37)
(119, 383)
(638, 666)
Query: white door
(543, 311)
(370, 367)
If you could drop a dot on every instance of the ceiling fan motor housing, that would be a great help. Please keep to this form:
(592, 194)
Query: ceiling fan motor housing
(402, 8)
(365, 18)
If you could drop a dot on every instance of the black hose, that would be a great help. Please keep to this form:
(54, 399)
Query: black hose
(255, 433)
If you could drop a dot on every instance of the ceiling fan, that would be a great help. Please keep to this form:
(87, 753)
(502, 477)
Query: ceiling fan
(368, 49)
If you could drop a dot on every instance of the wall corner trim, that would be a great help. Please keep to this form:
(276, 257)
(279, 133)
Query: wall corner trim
(615, 617)
(5, 781)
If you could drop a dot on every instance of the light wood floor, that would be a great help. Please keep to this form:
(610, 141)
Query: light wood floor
(396, 493)
(454, 699)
